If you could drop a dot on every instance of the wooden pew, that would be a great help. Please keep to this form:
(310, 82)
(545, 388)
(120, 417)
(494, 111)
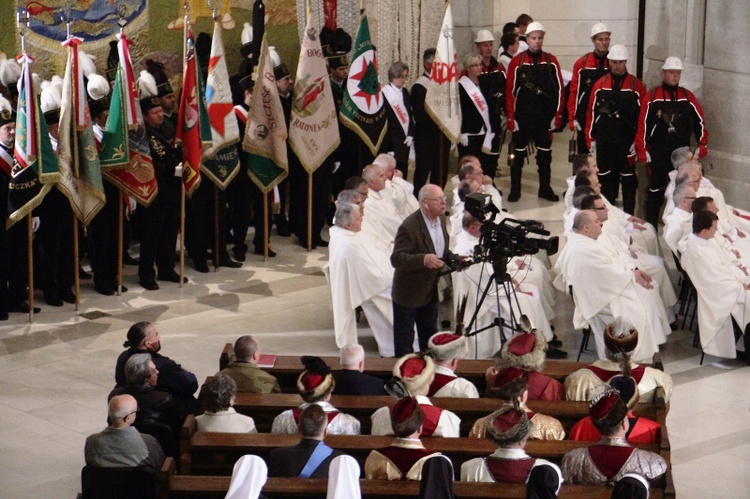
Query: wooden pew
(288, 368)
(264, 407)
(205, 453)
(180, 486)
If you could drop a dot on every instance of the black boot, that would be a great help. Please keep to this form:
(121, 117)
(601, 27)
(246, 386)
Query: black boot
(515, 176)
(543, 161)
(629, 188)
(654, 201)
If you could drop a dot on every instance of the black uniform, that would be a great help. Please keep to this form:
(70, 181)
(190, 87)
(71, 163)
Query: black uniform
(430, 145)
(160, 220)
(395, 136)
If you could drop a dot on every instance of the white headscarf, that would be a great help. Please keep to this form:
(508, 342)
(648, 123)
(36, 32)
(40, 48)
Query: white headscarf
(248, 477)
(343, 479)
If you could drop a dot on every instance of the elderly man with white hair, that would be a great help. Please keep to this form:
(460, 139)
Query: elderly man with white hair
(605, 287)
(359, 276)
(351, 379)
(677, 224)
(400, 190)
(379, 202)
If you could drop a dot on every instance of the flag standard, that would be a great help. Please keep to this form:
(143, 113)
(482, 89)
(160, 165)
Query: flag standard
(193, 127)
(35, 167)
(362, 109)
(265, 133)
(442, 98)
(221, 160)
(313, 128)
(124, 155)
(80, 173)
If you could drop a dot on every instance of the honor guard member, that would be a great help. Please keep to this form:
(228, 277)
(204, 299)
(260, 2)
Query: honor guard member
(586, 71)
(526, 350)
(670, 117)
(13, 255)
(509, 428)
(448, 349)
(534, 104)
(284, 85)
(611, 122)
(431, 158)
(10, 73)
(400, 135)
(492, 85)
(336, 45)
(160, 220)
(167, 98)
(404, 458)
(611, 457)
(56, 217)
(101, 231)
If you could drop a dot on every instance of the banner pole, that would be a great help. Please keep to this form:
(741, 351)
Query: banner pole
(30, 264)
(76, 260)
(182, 233)
(216, 228)
(309, 210)
(265, 227)
(120, 241)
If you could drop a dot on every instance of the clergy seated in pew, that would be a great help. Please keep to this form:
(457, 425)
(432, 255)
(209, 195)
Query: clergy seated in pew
(415, 374)
(612, 457)
(205, 453)
(315, 386)
(286, 368)
(509, 428)
(176, 486)
(264, 407)
(640, 430)
(620, 339)
(404, 457)
(511, 386)
(526, 350)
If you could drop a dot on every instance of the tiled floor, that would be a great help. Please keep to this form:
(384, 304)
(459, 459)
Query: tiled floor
(55, 374)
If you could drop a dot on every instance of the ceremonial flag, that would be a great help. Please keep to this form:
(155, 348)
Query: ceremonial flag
(442, 98)
(265, 133)
(35, 167)
(80, 173)
(313, 128)
(362, 109)
(193, 127)
(220, 161)
(124, 155)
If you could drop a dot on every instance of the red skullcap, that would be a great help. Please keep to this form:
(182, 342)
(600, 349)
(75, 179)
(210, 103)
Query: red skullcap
(403, 409)
(522, 344)
(413, 367)
(312, 380)
(507, 375)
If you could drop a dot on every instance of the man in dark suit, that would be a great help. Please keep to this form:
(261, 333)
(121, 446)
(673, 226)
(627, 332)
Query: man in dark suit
(311, 457)
(419, 249)
(351, 380)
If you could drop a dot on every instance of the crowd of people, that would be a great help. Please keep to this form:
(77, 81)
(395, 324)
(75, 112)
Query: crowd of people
(153, 396)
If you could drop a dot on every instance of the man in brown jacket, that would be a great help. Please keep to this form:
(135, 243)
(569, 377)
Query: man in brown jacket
(244, 368)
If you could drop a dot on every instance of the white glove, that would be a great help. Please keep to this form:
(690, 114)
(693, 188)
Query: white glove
(132, 204)
(409, 141)
(592, 149)
(464, 140)
(503, 121)
(515, 126)
(178, 170)
(648, 157)
(35, 223)
(453, 147)
(552, 124)
(632, 149)
(336, 166)
(576, 125)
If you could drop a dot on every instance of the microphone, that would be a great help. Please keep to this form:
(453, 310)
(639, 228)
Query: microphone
(447, 213)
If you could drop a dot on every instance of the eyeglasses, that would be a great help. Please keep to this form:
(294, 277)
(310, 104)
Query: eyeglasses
(475, 65)
(690, 197)
(363, 194)
(602, 208)
(131, 413)
(441, 198)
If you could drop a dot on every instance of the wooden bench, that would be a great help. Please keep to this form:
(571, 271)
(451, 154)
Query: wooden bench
(264, 407)
(172, 485)
(288, 368)
(206, 453)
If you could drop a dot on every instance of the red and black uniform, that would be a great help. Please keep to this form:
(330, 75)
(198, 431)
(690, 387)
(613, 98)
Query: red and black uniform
(611, 121)
(533, 99)
(670, 116)
(586, 71)
(492, 86)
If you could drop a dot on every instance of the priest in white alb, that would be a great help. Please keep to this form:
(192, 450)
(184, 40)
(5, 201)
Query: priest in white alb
(379, 202)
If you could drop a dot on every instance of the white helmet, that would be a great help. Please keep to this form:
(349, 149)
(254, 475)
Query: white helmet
(672, 63)
(599, 28)
(618, 53)
(484, 35)
(535, 26)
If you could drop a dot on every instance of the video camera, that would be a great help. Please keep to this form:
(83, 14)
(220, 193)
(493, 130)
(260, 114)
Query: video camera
(501, 241)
